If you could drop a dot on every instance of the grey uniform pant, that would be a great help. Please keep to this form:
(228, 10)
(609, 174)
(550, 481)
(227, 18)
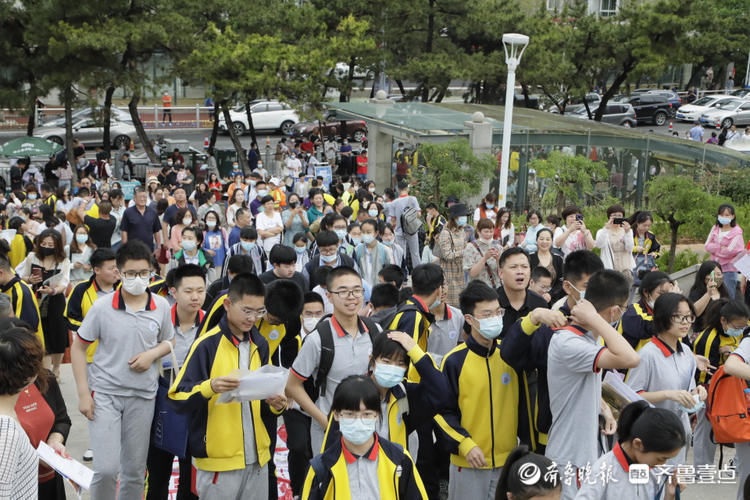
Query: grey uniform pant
(120, 433)
(742, 463)
(410, 244)
(476, 484)
(704, 450)
(250, 483)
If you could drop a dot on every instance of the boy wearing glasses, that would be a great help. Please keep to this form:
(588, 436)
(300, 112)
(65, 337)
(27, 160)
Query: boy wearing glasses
(228, 467)
(352, 347)
(116, 391)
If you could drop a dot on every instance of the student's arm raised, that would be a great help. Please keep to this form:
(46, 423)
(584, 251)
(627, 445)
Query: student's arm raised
(618, 354)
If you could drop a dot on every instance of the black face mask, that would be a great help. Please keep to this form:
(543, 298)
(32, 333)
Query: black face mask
(292, 205)
(47, 251)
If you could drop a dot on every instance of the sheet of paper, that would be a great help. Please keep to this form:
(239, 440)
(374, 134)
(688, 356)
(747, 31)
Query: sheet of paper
(53, 280)
(743, 265)
(266, 381)
(69, 468)
(8, 235)
(617, 393)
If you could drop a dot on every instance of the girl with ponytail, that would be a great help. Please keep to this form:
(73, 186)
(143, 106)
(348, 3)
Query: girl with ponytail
(528, 476)
(646, 436)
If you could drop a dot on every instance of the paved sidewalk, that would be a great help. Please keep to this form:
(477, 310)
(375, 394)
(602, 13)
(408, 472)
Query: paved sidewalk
(78, 442)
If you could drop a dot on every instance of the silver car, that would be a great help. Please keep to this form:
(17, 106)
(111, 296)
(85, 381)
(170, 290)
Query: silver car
(90, 132)
(733, 112)
(121, 115)
(617, 113)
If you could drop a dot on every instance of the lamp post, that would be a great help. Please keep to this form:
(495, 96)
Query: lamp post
(514, 44)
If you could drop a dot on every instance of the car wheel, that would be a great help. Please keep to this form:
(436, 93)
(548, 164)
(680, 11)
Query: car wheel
(239, 128)
(122, 142)
(358, 135)
(727, 122)
(56, 139)
(287, 127)
(660, 118)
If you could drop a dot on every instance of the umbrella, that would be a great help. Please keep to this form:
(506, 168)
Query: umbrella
(29, 146)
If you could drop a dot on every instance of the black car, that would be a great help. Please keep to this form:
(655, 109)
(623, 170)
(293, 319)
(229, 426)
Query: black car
(652, 108)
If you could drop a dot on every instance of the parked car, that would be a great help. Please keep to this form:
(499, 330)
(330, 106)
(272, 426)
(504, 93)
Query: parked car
(614, 113)
(121, 115)
(355, 129)
(743, 93)
(574, 105)
(90, 132)
(732, 112)
(651, 108)
(267, 116)
(693, 111)
(673, 97)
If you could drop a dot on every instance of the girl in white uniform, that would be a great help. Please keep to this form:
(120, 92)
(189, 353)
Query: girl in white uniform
(646, 436)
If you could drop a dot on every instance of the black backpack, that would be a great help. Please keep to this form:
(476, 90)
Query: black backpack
(385, 323)
(327, 352)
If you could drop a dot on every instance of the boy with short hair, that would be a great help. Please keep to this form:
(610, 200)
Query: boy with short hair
(541, 282)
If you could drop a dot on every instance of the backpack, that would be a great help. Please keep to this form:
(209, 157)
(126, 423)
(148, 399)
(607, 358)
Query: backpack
(410, 222)
(327, 352)
(726, 408)
(404, 307)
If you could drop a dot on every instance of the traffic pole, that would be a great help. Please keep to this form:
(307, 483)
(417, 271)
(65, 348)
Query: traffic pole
(205, 142)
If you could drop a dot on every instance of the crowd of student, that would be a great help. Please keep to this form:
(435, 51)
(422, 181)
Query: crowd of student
(430, 354)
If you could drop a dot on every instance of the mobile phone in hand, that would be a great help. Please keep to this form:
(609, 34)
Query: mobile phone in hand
(579, 217)
(618, 221)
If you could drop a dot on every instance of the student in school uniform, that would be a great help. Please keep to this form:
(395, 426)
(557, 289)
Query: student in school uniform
(575, 359)
(648, 436)
(738, 365)
(665, 376)
(519, 479)
(725, 322)
(361, 465)
(480, 424)
(636, 325)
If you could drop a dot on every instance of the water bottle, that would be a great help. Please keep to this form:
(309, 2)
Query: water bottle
(747, 399)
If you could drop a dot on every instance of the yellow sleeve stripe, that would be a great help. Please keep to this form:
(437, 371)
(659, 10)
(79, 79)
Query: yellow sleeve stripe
(452, 433)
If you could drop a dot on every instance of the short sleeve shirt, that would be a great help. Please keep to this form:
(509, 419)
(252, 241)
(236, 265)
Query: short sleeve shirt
(396, 209)
(575, 389)
(135, 332)
(444, 334)
(743, 350)
(141, 226)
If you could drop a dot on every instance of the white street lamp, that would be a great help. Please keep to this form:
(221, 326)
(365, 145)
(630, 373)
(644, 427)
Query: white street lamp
(514, 44)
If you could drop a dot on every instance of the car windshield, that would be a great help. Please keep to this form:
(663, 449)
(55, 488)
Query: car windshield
(728, 105)
(703, 101)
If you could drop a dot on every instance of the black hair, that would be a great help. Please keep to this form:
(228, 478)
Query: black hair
(384, 295)
(215, 214)
(392, 273)
(534, 212)
(544, 230)
(300, 236)
(371, 222)
(540, 272)
(284, 299)
(658, 429)
(240, 211)
(196, 232)
(404, 294)
(266, 199)
(282, 254)
(570, 210)
(310, 297)
(246, 284)
(321, 275)
(699, 287)
(239, 263)
(347, 212)
(133, 250)
(725, 308)
(607, 288)
(653, 280)
(327, 239)
(16, 222)
(426, 278)
(510, 253)
(100, 256)
(613, 209)
(338, 272)
(665, 307)
(476, 291)
(355, 390)
(521, 466)
(639, 218)
(726, 206)
(186, 271)
(383, 347)
(248, 233)
(328, 220)
(581, 263)
(116, 193)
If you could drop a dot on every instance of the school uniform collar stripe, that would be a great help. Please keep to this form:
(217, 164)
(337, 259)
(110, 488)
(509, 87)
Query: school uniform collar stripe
(340, 329)
(419, 302)
(371, 455)
(448, 313)
(176, 320)
(621, 457)
(571, 328)
(664, 348)
(118, 302)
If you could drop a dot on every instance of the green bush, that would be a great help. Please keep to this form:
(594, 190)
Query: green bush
(683, 258)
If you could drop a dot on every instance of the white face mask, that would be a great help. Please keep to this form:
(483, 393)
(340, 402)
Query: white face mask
(135, 286)
(309, 324)
(187, 221)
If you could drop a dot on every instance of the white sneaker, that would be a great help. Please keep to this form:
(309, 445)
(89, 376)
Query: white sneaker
(88, 456)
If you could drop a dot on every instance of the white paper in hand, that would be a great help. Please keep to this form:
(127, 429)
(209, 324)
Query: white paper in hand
(69, 468)
(8, 235)
(266, 381)
(743, 265)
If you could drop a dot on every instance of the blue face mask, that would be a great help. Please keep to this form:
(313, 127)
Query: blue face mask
(372, 213)
(435, 304)
(368, 238)
(489, 205)
(82, 238)
(461, 221)
(188, 245)
(724, 220)
(388, 243)
(329, 258)
(247, 245)
(388, 375)
(341, 233)
(300, 250)
(734, 332)
(490, 328)
(582, 294)
(356, 240)
(357, 430)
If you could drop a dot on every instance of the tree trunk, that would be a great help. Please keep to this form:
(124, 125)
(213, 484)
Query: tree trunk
(627, 67)
(401, 87)
(346, 94)
(32, 114)
(588, 109)
(428, 46)
(560, 202)
(250, 124)
(138, 124)
(68, 102)
(672, 246)
(235, 140)
(526, 99)
(214, 129)
(107, 116)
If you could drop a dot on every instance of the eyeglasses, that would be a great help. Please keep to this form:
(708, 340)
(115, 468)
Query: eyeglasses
(545, 289)
(139, 274)
(678, 318)
(252, 313)
(358, 414)
(354, 292)
(492, 314)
